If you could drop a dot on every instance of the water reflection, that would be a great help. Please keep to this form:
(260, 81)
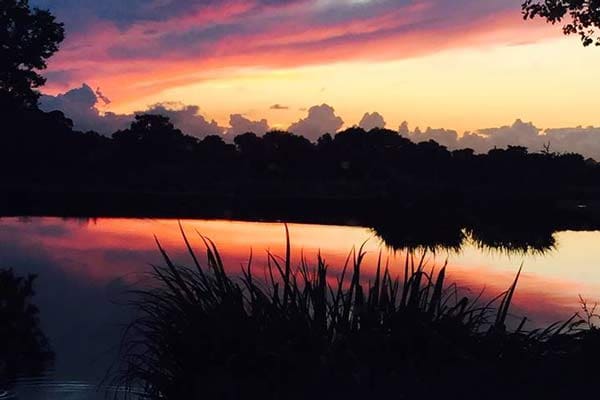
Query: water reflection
(24, 348)
(415, 232)
(508, 240)
(521, 240)
(438, 234)
(446, 234)
(84, 266)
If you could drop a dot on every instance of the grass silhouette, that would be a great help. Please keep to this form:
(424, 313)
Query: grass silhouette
(300, 332)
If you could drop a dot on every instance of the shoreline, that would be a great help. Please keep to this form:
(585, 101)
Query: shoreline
(367, 210)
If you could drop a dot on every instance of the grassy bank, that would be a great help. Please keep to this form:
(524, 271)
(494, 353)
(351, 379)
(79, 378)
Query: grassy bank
(283, 331)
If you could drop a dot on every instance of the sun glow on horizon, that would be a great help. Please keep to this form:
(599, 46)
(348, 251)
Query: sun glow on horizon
(463, 89)
(547, 289)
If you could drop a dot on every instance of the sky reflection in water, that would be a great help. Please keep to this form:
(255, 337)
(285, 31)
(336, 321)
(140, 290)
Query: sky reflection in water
(85, 266)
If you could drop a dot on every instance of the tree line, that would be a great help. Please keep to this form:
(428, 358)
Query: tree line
(41, 150)
(41, 153)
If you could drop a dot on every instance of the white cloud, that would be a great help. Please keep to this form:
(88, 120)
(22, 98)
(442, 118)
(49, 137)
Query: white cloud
(444, 137)
(187, 118)
(371, 121)
(320, 120)
(585, 141)
(240, 124)
(79, 104)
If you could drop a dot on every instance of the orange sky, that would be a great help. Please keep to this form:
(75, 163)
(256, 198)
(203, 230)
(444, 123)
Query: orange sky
(473, 65)
(107, 249)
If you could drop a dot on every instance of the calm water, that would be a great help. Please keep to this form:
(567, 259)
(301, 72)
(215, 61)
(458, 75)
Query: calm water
(85, 266)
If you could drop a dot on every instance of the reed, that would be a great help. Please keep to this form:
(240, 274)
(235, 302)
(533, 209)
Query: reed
(298, 332)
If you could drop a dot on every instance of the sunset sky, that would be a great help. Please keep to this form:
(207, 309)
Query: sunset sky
(459, 64)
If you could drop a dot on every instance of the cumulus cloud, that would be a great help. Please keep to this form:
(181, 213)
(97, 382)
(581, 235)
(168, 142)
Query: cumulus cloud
(80, 105)
(445, 137)
(518, 134)
(372, 120)
(320, 120)
(78, 98)
(581, 140)
(403, 130)
(240, 124)
(187, 118)
(102, 97)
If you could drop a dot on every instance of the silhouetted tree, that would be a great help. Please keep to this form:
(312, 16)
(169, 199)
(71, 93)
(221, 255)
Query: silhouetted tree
(582, 17)
(325, 141)
(154, 136)
(215, 155)
(28, 37)
(463, 154)
(248, 143)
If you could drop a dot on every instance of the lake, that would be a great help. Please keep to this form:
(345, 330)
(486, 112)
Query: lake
(86, 266)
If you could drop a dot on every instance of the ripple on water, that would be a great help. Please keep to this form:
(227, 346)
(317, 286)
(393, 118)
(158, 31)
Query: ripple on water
(48, 388)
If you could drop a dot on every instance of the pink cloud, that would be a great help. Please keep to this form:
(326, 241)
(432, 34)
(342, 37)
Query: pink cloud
(150, 56)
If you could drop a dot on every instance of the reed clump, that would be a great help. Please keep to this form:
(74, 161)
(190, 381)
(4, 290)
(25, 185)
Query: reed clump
(301, 332)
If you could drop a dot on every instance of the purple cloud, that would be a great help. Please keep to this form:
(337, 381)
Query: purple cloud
(372, 120)
(320, 120)
(240, 124)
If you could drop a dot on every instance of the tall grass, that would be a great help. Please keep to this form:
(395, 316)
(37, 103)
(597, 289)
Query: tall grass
(300, 332)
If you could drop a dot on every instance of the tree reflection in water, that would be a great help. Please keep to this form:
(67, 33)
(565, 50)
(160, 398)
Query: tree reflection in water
(24, 348)
(451, 235)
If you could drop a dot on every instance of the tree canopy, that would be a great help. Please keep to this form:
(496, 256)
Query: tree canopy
(28, 37)
(580, 17)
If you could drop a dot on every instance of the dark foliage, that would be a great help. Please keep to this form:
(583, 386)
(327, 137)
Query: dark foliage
(580, 17)
(152, 168)
(288, 332)
(378, 179)
(28, 37)
(24, 348)
(41, 149)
